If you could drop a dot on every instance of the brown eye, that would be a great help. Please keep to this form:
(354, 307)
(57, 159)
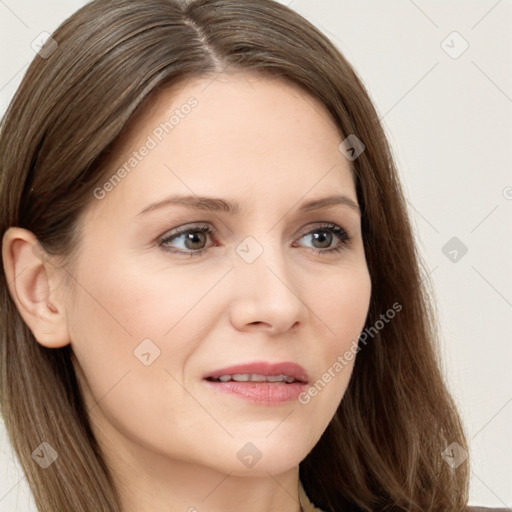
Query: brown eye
(322, 238)
(192, 240)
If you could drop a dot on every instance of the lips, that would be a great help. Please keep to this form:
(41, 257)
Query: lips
(262, 383)
(263, 372)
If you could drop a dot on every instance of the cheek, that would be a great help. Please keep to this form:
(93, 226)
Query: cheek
(342, 304)
(152, 299)
(129, 318)
(129, 369)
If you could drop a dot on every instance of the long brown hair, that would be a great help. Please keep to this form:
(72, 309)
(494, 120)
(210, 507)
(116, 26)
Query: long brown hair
(383, 449)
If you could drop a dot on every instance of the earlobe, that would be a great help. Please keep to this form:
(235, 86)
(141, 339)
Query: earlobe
(32, 281)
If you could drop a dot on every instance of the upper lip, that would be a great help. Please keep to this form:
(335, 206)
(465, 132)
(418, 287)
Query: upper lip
(263, 368)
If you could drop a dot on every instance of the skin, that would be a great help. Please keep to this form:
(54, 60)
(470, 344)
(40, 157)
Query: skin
(170, 441)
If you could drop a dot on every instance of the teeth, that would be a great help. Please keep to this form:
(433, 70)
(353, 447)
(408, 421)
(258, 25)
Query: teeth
(254, 377)
(241, 377)
(275, 378)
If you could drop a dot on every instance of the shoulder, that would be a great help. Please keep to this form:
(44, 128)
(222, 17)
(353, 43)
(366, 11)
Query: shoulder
(485, 509)
(307, 506)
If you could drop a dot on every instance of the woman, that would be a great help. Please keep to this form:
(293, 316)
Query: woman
(211, 296)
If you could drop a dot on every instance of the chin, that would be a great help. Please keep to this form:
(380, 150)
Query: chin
(259, 456)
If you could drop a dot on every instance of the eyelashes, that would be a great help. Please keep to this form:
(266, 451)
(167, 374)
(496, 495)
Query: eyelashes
(205, 229)
(189, 235)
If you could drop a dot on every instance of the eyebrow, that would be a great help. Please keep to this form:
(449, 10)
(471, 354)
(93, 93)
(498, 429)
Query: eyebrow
(214, 204)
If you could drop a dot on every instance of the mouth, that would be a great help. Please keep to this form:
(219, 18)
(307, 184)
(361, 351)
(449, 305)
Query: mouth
(260, 382)
(260, 371)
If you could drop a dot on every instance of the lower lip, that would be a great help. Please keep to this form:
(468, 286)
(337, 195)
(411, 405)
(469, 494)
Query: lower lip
(264, 393)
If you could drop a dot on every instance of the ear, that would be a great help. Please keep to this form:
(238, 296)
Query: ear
(33, 284)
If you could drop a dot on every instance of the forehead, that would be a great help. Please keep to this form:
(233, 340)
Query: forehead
(241, 133)
(227, 106)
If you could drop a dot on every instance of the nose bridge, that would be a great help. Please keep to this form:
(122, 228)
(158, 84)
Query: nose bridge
(266, 288)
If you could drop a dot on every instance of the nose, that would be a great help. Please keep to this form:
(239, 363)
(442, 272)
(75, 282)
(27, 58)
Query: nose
(267, 293)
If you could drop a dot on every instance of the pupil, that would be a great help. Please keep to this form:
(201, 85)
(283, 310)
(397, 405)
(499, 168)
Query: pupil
(192, 237)
(323, 234)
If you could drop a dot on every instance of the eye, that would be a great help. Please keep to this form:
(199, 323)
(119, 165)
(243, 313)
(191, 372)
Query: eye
(324, 235)
(194, 238)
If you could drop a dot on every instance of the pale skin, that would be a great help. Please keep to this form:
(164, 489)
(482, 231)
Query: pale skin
(170, 441)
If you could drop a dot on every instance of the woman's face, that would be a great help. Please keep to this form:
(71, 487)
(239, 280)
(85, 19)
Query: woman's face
(264, 281)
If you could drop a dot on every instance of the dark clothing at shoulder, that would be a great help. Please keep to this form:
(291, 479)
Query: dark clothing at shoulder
(485, 509)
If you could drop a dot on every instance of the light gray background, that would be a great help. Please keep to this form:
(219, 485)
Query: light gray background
(449, 121)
